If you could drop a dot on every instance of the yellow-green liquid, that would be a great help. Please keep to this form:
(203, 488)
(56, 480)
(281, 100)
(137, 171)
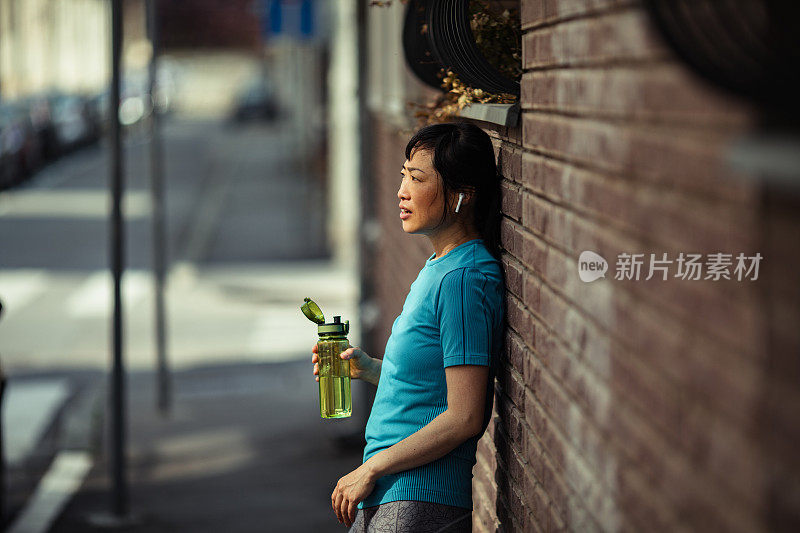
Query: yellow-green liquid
(334, 380)
(334, 397)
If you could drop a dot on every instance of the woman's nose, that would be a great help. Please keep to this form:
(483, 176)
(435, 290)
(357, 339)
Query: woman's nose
(401, 193)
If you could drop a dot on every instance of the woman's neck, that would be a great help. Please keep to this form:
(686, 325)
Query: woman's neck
(449, 238)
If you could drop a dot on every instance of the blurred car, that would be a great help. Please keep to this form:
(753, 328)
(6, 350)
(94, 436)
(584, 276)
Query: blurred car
(256, 101)
(73, 121)
(21, 151)
(38, 109)
(99, 105)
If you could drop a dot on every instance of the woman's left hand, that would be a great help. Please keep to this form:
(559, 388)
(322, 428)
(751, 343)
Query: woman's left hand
(349, 491)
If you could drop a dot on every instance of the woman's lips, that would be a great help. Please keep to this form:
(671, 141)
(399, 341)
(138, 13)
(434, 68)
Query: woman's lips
(404, 214)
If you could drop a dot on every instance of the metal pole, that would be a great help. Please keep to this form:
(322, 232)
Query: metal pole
(120, 491)
(163, 388)
(2, 448)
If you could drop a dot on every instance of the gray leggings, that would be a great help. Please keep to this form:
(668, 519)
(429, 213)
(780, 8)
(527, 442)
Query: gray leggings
(412, 517)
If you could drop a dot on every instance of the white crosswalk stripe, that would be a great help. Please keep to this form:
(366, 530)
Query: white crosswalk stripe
(62, 318)
(94, 297)
(72, 203)
(19, 287)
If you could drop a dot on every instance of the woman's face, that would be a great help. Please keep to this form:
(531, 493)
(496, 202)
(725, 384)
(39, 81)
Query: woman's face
(421, 194)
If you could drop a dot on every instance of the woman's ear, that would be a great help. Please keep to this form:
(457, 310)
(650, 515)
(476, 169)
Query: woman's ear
(469, 194)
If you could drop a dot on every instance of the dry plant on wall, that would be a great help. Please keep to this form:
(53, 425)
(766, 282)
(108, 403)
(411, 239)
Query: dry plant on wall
(457, 96)
(497, 36)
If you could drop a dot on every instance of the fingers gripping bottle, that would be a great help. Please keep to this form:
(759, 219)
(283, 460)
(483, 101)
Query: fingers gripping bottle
(334, 372)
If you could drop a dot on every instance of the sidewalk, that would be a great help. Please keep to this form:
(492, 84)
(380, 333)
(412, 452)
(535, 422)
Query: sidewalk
(244, 450)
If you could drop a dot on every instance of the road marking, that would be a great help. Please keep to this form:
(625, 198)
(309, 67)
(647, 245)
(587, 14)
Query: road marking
(19, 286)
(280, 332)
(29, 408)
(71, 203)
(61, 481)
(94, 297)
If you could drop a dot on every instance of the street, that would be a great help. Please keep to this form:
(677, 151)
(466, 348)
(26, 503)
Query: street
(233, 205)
(246, 243)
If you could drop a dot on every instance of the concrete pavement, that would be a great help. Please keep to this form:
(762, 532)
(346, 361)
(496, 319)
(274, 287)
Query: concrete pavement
(243, 451)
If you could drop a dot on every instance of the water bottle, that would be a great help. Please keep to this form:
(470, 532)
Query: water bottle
(334, 372)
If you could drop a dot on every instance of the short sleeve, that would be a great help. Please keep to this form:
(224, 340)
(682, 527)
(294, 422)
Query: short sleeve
(464, 310)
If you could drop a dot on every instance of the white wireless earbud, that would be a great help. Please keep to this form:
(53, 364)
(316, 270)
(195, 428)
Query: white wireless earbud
(460, 197)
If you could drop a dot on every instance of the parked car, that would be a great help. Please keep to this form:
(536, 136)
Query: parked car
(99, 104)
(21, 150)
(38, 109)
(72, 120)
(256, 101)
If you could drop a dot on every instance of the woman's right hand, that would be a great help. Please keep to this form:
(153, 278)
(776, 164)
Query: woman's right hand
(362, 366)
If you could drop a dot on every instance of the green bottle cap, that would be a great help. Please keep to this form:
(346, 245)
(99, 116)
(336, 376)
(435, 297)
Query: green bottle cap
(337, 327)
(312, 311)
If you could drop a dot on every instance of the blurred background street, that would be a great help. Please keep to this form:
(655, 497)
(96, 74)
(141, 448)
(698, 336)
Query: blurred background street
(245, 248)
(235, 107)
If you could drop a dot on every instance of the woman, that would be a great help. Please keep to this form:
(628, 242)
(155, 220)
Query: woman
(434, 391)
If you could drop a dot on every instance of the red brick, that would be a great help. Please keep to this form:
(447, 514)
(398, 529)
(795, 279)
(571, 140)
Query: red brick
(534, 254)
(552, 442)
(516, 354)
(738, 323)
(556, 519)
(618, 36)
(548, 11)
(510, 162)
(711, 444)
(520, 320)
(536, 213)
(654, 396)
(510, 237)
(535, 498)
(663, 91)
(531, 12)
(552, 354)
(531, 289)
(518, 510)
(513, 386)
(642, 508)
(664, 156)
(512, 201)
(553, 311)
(590, 142)
(513, 275)
(553, 399)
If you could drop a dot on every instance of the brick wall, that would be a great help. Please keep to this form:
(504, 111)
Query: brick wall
(624, 405)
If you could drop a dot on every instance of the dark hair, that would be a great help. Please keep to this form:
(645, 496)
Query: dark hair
(463, 155)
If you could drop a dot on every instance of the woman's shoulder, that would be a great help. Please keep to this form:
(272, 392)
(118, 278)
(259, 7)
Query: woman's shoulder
(483, 261)
(485, 275)
(475, 267)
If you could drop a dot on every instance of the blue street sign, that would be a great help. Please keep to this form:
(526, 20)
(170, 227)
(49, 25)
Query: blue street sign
(293, 18)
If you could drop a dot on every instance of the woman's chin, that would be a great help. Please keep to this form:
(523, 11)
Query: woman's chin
(407, 227)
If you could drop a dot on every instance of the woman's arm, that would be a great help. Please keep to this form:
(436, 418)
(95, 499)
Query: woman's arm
(463, 418)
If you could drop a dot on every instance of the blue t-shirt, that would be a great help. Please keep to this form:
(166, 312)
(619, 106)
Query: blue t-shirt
(452, 316)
